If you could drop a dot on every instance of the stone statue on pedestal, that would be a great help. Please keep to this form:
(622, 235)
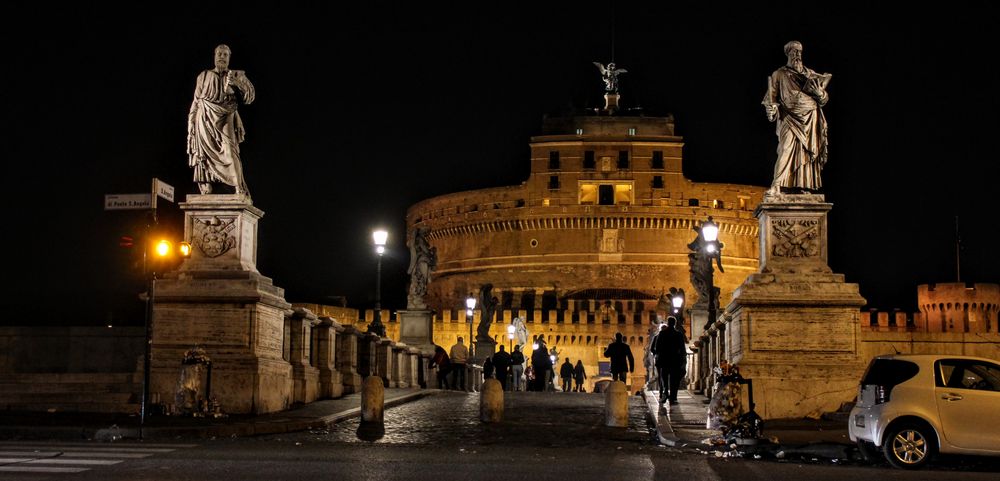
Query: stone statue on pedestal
(794, 100)
(610, 76)
(423, 260)
(488, 303)
(215, 130)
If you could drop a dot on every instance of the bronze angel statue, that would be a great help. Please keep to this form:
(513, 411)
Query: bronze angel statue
(610, 76)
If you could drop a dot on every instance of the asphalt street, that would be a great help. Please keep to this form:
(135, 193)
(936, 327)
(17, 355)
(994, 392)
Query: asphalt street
(543, 436)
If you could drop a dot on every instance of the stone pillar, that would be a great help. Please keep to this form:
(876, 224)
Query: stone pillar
(347, 359)
(400, 365)
(305, 377)
(414, 372)
(367, 354)
(416, 328)
(795, 321)
(383, 360)
(219, 301)
(331, 382)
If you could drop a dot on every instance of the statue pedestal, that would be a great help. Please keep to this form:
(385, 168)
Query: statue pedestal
(218, 300)
(484, 348)
(416, 328)
(793, 327)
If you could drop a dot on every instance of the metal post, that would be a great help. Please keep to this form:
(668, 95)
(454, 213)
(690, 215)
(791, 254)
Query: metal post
(377, 327)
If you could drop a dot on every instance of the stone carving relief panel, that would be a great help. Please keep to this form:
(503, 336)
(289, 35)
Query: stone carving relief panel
(214, 235)
(796, 238)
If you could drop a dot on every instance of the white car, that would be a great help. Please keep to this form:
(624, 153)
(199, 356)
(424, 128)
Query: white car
(911, 407)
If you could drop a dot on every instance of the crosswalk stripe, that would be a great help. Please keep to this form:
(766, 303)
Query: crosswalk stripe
(100, 462)
(72, 454)
(39, 469)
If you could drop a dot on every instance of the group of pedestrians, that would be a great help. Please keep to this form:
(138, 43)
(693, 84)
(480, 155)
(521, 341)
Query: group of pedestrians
(451, 368)
(570, 373)
(670, 350)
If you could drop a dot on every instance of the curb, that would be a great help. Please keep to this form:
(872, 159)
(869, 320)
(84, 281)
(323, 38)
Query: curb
(241, 429)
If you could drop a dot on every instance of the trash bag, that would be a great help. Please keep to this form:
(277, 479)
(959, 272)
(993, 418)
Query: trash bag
(726, 405)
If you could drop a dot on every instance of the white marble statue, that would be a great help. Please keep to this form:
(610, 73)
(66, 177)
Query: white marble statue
(794, 100)
(215, 130)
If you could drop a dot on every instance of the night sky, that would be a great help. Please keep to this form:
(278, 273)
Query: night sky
(361, 113)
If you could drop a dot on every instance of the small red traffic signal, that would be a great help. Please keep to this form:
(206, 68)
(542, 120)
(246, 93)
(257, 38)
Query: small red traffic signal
(125, 241)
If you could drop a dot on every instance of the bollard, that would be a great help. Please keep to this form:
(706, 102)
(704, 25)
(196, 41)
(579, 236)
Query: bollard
(491, 402)
(372, 400)
(616, 405)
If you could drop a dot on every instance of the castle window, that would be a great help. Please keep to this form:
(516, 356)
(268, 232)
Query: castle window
(631, 130)
(743, 203)
(554, 160)
(588, 160)
(657, 181)
(553, 182)
(520, 203)
(607, 194)
(718, 204)
(579, 131)
(693, 202)
(657, 162)
(622, 159)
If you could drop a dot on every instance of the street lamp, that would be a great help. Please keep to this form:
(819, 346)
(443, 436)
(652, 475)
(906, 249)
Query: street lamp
(510, 336)
(163, 249)
(470, 309)
(677, 301)
(376, 327)
(708, 247)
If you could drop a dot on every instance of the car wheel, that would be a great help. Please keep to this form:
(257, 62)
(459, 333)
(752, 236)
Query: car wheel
(909, 445)
(869, 451)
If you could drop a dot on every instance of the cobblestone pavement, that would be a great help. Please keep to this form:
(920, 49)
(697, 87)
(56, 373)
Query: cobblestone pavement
(530, 419)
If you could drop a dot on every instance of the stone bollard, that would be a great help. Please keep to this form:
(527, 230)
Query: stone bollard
(491, 402)
(616, 405)
(372, 400)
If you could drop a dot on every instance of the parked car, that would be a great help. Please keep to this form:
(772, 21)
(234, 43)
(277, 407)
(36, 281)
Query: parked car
(911, 407)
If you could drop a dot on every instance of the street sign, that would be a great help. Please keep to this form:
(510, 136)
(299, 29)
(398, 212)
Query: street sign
(127, 201)
(163, 189)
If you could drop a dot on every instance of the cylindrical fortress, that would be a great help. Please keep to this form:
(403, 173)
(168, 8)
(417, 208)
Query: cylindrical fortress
(599, 229)
(959, 307)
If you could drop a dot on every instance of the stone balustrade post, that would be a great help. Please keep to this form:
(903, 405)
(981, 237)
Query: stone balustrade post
(347, 359)
(305, 377)
(330, 379)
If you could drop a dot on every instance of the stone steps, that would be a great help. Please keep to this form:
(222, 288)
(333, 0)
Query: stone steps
(71, 392)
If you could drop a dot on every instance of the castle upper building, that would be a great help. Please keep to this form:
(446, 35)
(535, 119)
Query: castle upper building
(595, 234)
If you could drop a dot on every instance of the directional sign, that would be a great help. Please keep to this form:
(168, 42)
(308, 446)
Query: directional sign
(127, 201)
(163, 189)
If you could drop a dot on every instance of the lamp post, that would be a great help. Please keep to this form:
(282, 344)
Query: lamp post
(470, 309)
(510, 336)
(162, 250)
(711, 249)
(677, 302)
(376, 327)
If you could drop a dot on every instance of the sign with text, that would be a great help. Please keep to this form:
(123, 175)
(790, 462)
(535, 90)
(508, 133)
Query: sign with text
(127, 201)
(163, 189)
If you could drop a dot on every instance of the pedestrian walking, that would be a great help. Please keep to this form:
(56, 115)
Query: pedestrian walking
(566, 373)
(671, 356)
(517, 365)
(443, 365)
(542, 366)
(459, 359)
(501, 362)
(622, 361)
(579, 375)
(488, 368)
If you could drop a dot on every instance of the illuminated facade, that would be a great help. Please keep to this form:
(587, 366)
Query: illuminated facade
(593, 237)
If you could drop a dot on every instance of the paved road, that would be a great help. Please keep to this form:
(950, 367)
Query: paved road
(543, 436)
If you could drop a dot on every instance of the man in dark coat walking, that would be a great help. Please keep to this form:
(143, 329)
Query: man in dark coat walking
(541, 365)
(670, 349)
(622, 361)
(501, 362)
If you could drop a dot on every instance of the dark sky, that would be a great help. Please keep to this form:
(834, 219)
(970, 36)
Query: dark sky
(362, 112)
